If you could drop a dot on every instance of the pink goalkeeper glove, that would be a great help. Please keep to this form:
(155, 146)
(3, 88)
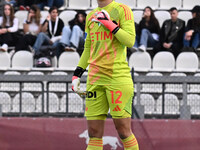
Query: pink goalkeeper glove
(104, 18)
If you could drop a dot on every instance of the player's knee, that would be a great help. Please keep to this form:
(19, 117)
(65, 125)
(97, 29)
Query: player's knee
(123, 131)
(94, 132)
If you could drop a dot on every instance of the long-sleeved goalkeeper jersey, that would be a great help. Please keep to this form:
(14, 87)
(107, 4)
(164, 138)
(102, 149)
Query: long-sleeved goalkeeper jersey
(106, 52)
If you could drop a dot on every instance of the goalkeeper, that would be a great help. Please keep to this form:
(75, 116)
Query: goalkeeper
(109, 31)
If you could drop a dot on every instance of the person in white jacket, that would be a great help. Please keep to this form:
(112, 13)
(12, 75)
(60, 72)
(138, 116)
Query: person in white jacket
(8, 28)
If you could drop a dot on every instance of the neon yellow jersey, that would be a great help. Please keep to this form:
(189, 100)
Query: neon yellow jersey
(106, 52)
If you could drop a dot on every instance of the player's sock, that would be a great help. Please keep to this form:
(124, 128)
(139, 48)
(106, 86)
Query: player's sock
(130, 143)
(95, 144)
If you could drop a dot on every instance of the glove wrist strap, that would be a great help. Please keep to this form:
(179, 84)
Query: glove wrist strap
(79, 72)
(115, 30)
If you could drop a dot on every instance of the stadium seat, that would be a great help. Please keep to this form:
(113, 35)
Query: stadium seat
(28, 103)
(58, 87)
(33, 87)
(167, 4)
(9, 86)
(4, 61)
(187, 62)
(53, 103)
(5, 102)
(135, 85)
(67, 15)
(140, 61)
(163, 62)
(185, 15)
(75, 103)
(130, 3)
(171, 105)
(193, 100)
(162, 16)
(189, 4)
(79, 4)
(54, 62)
(152, 88)
(148, 102)
(65, 3)
(194, 88)
(22, 60)
(22, 16)
(137, 15)
(94, 4)
(44, 14)
(141, 4)
(68, 61)
(175, 88)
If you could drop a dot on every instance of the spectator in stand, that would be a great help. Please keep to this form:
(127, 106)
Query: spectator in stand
(8, 28)
(47, 4)
(11, 2)
(73, 34)
(149, 29)
(32, 27)
(53, 25)
(171, 34)
(192, 35)
(25, 4)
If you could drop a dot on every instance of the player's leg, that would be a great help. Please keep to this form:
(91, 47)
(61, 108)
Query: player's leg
(96, 113)
(120, 102)
(123, 127)
(95, 131)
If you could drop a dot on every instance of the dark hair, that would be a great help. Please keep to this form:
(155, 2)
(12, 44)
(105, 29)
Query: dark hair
(196, 22)
(153, 19)
(196, 9)
(53, 8)
(172, 9)
(75, 21)
(11, 16)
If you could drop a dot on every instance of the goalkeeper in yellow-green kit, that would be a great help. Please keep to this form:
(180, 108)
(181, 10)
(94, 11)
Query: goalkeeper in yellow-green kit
(109, 31)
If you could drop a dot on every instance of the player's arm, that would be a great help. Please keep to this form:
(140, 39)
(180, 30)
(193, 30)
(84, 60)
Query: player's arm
(125, 31)
(83, 62)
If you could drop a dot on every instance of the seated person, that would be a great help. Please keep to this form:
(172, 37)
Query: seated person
(192, 34)
(47, 4)
(32, 27)
(8, 28)
(74, 33)
(149, 30)
(53, 26)
(25, 4)
(171, 34)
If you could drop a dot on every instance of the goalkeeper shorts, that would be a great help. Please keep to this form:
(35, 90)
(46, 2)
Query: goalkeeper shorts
(101, 98)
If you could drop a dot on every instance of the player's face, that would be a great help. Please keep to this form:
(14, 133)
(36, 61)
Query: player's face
(54, 14)
(174, 15)
(7, 10)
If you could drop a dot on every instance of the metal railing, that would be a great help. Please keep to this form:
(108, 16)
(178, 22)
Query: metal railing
(73, 102)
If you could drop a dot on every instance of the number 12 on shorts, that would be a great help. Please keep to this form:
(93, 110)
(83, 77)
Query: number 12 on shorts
(119, 94)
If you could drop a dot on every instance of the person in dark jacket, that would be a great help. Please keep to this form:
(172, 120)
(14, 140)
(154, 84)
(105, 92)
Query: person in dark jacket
(192, 34)
(149, 29)
(74, 33)
(171, 34)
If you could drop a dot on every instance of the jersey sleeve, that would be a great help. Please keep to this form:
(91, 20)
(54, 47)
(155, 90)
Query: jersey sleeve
(127, 27)
(83, 62)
